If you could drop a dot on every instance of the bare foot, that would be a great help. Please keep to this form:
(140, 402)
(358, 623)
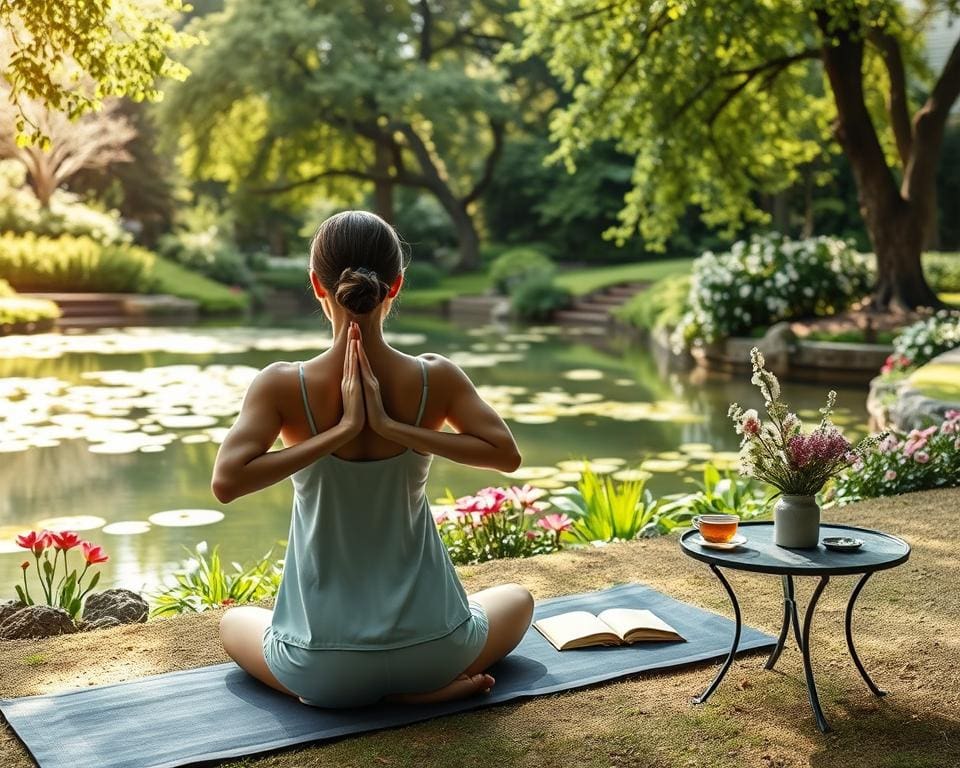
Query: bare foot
(463, 686)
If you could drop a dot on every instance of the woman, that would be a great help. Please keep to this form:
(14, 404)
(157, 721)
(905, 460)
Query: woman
(370, 606)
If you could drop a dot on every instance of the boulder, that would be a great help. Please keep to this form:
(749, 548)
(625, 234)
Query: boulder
(10, 607)
(121, 604)
(104, 622)
(37, 621)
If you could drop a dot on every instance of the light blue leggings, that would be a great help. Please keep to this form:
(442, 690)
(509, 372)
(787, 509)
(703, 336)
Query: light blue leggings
(348, 678)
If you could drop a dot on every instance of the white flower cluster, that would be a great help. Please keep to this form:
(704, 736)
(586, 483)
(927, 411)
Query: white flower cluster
(771, 278)
(927, 338)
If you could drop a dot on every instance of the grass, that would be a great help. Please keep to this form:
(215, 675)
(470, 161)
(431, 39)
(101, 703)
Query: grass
(34, 659)
(950, 298)
(471, 283)
(212, 297)
(940, 381)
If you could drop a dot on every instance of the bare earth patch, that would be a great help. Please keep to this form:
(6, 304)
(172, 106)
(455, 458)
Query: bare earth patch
(905, 627)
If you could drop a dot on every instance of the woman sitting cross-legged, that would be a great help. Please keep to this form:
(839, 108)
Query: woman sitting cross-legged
(369, 606)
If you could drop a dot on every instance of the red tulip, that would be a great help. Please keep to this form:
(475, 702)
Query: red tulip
(65, 540)
(36, 542)
(93, 554)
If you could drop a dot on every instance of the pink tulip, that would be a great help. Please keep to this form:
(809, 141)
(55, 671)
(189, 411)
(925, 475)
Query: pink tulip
(526, 497)
(555, 522)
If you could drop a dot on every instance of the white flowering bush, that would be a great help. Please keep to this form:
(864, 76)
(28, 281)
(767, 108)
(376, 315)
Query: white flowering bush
(767, 279)
(922, 341)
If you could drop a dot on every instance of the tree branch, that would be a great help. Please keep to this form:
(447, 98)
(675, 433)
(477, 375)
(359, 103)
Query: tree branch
(497, 129)
(897, 106)
(314, 178)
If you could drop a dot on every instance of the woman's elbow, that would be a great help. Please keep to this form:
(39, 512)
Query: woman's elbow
(511, 459)
(223, 490)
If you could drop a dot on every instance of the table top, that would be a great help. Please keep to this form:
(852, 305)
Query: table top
(760, 554)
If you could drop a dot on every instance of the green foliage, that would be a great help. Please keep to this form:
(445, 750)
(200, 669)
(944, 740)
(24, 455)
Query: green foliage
(71, 54)
(726, 492)
(604, 509)
(537, 298)
(922, 341)
(768, 279)
(917, 461)
(205, 582)
(519, 265)
(20, 313)
(213, 298)
(5, 290)
(662, 305)
(589, 279)
(66, 263)
(942, 271)
(421, 274)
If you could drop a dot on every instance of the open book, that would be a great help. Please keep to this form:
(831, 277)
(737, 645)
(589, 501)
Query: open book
(615, 626)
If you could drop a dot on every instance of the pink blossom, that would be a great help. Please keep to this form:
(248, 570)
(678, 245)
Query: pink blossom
(823, 445)
(526, 497)
(487, 502)
(440, 515)
(952, 415)
(888, 444)
(890, 475)
(921, 457)
(555, 522)
(917, 439)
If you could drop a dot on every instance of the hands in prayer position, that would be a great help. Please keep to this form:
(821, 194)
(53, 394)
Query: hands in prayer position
(362, 403)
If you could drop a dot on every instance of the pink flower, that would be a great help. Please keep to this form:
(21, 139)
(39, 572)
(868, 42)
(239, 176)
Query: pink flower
(890, 475)
(65, 540)
(440, 515)
(531, 535)
(36, 542)
(750, 423)
(823, 445)
(921, 457)
(526, 497)
(952, 414)
(888, 444)
(917, 439)
(93, 554)
(555, 522)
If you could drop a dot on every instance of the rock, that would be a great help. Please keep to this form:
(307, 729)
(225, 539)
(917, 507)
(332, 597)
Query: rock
(914, 410)
(776, 347)
(104, 622)
(10, 607)
(37, 621)
(125, 606)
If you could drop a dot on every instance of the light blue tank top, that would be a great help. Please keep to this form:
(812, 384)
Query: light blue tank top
(365, 567)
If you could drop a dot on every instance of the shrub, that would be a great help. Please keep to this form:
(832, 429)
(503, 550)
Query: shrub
(916, 461)
(420, 274)
(662, 305)
(213, 297)
(204, 582)
(32, 263)
(205, 252)
(942, 271)
(768, 279)
(498, 522)
(19, 313)
(538, 297)
(726, 492)
(924, 340)
(519, 265)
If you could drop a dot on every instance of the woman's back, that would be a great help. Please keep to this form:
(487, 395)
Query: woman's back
(365, 567)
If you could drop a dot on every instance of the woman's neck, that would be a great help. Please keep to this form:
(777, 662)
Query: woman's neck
(371, 331)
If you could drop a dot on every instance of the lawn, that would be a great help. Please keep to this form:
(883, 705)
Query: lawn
(213, 297)
(905, 628)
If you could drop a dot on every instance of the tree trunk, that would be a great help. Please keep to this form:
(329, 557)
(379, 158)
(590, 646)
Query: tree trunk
(808, 225)
(467, 238)
(898, 243)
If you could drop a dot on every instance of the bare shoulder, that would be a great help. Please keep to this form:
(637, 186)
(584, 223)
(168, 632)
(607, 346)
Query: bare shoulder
(273, 380)
(444, 371)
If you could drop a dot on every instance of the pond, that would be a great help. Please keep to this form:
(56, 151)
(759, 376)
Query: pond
(113, 433)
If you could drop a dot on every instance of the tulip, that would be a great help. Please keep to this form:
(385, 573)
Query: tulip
(36, 542)
(65, 540)
(93, 554)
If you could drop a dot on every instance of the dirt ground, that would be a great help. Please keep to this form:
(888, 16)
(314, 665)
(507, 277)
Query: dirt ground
(905, 626)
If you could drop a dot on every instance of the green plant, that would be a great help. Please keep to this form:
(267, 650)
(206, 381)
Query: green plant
(922, 341)
(519, 265)
(203, 582)
(942, 271)
(69, 592)
(662, 305)
(604, 509)
(66, 263)
(719, 493)
(496, 523)
(213, 297)
(35, 660)
(537, 298)
(420, 274)
(20, 312)
(916, 461)
(768, 279)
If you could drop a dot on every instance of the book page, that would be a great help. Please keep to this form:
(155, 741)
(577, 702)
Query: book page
(623, 621)
(576, 625)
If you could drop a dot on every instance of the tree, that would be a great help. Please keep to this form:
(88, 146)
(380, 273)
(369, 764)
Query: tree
(95, 141)
(719, 101)
(291, 96)
(69, 55)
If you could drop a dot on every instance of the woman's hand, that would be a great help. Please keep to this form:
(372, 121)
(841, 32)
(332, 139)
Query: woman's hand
(377, 416)
(351, 386)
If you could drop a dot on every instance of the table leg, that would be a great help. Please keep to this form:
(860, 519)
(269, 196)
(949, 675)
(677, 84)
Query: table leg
(853, 651)
(736, 639)
(805, 647)
(789, 617)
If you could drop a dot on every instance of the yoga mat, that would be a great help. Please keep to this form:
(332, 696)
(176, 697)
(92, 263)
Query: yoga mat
(219, 712)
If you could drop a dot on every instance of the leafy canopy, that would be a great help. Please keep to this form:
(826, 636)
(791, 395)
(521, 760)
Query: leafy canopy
(715, 101)
(71, 54)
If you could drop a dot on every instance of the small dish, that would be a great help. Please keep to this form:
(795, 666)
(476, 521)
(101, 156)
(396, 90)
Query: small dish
(735, 542)
(842, 543)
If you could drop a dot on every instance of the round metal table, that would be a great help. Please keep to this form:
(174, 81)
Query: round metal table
(760, 555)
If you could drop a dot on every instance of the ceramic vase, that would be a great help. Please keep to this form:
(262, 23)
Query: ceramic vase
(796, 522)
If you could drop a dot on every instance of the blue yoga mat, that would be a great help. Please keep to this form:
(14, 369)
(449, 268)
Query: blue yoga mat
(219, 712)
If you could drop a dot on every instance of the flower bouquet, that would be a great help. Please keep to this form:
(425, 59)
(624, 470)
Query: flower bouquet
(798, 465)
(69, 592)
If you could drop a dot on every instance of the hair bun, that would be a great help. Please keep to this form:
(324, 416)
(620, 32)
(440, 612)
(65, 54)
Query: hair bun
(360, 290)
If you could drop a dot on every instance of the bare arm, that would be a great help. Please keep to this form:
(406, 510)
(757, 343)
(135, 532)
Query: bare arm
(245, 462)
(481, 438)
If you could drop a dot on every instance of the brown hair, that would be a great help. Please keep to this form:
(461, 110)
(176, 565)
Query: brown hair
(356, 256)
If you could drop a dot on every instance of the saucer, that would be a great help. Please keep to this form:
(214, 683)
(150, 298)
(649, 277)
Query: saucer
(735, 542)
(842, 543)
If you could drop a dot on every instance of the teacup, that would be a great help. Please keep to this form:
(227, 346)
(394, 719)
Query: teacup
(717, 529)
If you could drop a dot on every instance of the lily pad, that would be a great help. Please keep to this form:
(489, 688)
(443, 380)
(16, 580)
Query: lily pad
(72, 523)
(127, 527)
(185, 518)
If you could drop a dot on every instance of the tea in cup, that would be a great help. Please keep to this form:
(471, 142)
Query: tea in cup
(717, 529)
